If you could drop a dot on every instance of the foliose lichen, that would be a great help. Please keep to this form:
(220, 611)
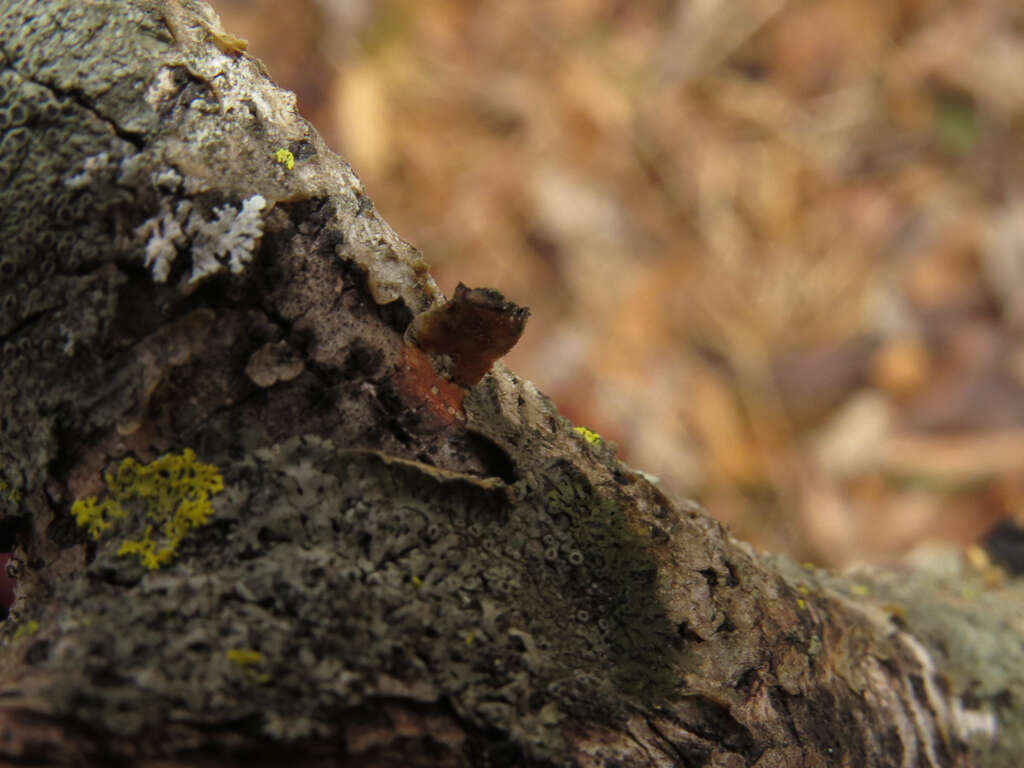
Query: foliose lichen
(174, 492)
(232, 232)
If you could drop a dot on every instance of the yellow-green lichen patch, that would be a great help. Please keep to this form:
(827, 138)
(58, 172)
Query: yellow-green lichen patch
(249, 661)
(244, 657)
(285, 158)
(174, 491)
(27, 629)
(9, 493)
(590, 436)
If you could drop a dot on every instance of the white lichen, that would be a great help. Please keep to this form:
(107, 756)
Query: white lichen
(168, 179)
(90, 168)
(232, 233)
(164, 235)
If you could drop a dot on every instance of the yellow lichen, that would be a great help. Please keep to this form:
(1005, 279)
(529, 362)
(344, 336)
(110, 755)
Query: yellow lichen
(176, 493)
(7, 491)
(27, 629)
(285, 158)
(591, 437)
(244, 656)
(246, 659)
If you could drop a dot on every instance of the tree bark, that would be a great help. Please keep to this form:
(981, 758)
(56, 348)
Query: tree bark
(412, 562)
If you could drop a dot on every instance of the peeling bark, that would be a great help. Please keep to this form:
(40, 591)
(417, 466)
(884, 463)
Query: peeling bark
(409, 564)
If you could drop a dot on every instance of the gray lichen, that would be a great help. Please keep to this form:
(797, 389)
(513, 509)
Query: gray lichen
(350, 572)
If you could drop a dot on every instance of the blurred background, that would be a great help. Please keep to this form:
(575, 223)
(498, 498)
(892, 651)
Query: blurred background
(774, 249)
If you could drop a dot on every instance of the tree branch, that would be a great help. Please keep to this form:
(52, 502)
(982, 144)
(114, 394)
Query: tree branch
(408, 564)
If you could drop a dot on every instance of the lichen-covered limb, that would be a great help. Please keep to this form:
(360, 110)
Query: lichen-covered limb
(407, 566)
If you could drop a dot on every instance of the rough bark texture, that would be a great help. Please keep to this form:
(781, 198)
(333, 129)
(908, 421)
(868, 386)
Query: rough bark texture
(400, 570)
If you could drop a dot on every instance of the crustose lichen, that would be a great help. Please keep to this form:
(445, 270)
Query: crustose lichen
(285, 158)
(173, 490)
(589, 435)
